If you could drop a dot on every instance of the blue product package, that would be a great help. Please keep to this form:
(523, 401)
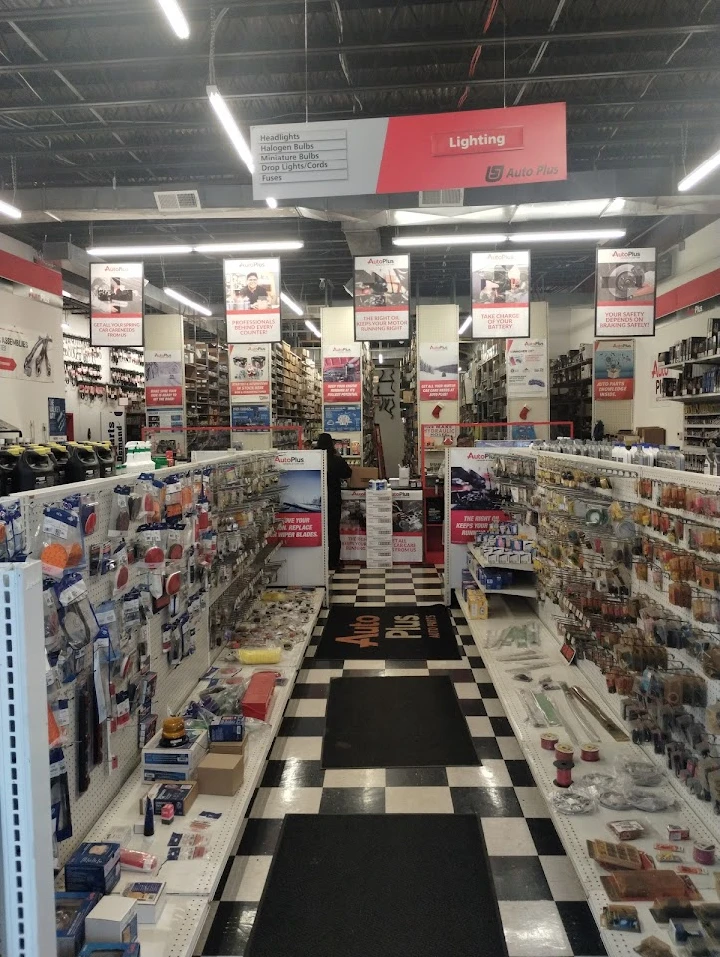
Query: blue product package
(111, 950)
(93, 867)
(231, 727)
(71, 909)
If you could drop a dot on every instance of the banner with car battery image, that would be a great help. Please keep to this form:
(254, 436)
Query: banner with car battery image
(117, 304)
(438, 364)
(625, 290)
(341, 373)
(252, 300)
(382, 298)
(249, 372)
(500, 294)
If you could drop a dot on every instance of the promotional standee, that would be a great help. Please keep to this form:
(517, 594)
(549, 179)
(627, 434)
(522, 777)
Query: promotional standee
(382, 298)
(500, 294)
(526, 363)
(301, 517)
(252, 300)
(438, 364)
(116, 304)
(614, 369)
(625, 289)
(407, 524)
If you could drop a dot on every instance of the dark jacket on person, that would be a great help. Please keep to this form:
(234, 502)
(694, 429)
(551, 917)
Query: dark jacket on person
(337, 471)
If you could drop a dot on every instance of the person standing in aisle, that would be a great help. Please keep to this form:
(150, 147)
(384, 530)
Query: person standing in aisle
(337, 469)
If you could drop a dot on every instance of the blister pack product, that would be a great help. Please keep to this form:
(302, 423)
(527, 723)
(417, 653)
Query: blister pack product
(152, 544)
(119, 512)
(59, 542)
(77, 615)
(54, 637)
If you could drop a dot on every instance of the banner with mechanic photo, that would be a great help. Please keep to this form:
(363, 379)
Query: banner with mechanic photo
(382, 298)
(500, 294)
(24, 356)
(341, 372)
(117, 304)
(614, 369)
(526, 368)
(407, 522)
(625, 290)
(252, 300)
(249, 372)
(163, 378)
(438, 364)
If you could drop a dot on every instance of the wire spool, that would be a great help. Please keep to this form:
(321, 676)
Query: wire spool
(703, 853)
(563, 778)
(548, 740)
(564, 752)
(590, 752)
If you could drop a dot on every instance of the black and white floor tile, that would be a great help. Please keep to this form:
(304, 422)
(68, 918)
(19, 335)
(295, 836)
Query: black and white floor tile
(542, 904)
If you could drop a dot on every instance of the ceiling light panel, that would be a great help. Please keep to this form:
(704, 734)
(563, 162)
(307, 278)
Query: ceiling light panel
(139, 250)
(581, 208)
(259, 247)
(451, 239)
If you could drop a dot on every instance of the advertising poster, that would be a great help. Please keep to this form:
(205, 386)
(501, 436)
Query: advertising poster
(614, 368)
(353, 526)
(471, 509)
(438, 364)
(252, 300)
(57, 422)
(163, 378)
(250, 415)
(24, 356)
(382, 298)
(437, 436)
(165, 419)
(341, 373)
(407, 522)
(342, 418)
(501, 294)
(300, 509)
(526, 367)
(249, 372)
(116, 304)
(625, 292)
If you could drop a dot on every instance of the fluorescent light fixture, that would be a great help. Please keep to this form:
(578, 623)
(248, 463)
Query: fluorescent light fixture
(451, 239)
(700, 172)
(466, 324)
(203, 310)
(569, 209)
(567, 236)
(52, 216)
(298, 310)
(231, 128)
(139, 250)
(260, 247)
(313, 328)
(176, 18)
(380, 358)
(272, 202)
(12, 211)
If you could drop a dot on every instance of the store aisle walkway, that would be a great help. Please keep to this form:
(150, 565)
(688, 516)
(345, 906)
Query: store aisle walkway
(542, 904)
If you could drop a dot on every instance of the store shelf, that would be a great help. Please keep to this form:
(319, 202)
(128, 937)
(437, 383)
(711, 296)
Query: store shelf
(707, 360)
(701, 397)
(481, 559)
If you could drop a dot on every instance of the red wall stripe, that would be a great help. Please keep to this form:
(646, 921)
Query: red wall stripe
(28, 273)
(689, 293)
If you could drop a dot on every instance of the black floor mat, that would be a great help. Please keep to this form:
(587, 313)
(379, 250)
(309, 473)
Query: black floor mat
(410, 885)
(395, 723)
(388, 631)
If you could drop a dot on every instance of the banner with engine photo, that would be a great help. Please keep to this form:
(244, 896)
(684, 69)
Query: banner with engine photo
(382, 298)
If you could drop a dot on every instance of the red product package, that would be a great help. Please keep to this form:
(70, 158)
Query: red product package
(257, 698)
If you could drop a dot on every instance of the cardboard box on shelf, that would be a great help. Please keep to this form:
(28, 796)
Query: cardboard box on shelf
(112, 920)
(361, 476)
(221, 774)
(228, 747)
(150, 899)
(181, 794)
(94, 866)
(71, 909)
(651, 434)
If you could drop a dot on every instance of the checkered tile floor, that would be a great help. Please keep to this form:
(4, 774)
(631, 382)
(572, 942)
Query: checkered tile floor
(542, 904)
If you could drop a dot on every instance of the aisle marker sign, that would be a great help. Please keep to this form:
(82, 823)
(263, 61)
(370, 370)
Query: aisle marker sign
(500, 294)
(117, 304)
(252, 300)
(625, 290)
(382, 298)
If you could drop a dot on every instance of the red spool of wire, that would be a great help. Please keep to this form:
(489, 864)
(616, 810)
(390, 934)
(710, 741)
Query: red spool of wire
(564, 752)
(548, 740)
(703, 853)
(563, 778)
(590, 752)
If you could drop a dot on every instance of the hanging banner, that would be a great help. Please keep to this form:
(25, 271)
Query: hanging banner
(117, 304)
(25, 356)
(342, 418)
(341, 373)
(249, 372)
(614, 369)
(501, 294)
(252, 300)
(300, 510)
(438, 364)
(497, 147)
(526, 366)
(625, 290)
(57, 421)
(163, 378)
(382, 298)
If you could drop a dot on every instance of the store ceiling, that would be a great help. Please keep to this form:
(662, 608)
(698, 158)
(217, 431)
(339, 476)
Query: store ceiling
(101, 106)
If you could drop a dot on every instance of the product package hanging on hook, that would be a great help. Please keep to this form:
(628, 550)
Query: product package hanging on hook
(59, 542)
(78, 618)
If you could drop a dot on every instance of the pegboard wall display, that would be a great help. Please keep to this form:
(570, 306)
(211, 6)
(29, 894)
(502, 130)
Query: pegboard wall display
(135, 569)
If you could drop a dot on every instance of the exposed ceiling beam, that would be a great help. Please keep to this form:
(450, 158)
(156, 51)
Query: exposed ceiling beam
(390, 87)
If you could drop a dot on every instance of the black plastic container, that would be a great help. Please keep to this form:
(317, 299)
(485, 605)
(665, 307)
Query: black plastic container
(60, 456)
(82, 464)
(106, 458)
(26, 468)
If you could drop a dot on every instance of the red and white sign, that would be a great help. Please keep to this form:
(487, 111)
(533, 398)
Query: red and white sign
(249, 373)
(625, 287)
(438, 364)
(300, 531)
(25, 355)
(353, 526)
(299, 512)
(382, 298)
(116, 304)
(501, 294)
(341, 370)
(252, 300)
(464, 523)
(163, 378)
(498, 147)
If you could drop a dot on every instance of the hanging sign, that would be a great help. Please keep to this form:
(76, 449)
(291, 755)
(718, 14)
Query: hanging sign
(57, 422)
(526, 368)
(614, 369)
(300, 510)
(382, 298)
(252, 300)
(625, 291)
(117, 304)
(163, 378)
(438, 364)
(249, 372)
(501, 294)
(255, 415)
(342, 418)
(400, 154)
(341, 373)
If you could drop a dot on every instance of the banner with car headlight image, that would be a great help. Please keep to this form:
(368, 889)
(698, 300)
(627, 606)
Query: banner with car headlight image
(500, 294)
(382, 298)
(249, 372)
(117, 304)
(625, 289)
(252, 300)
